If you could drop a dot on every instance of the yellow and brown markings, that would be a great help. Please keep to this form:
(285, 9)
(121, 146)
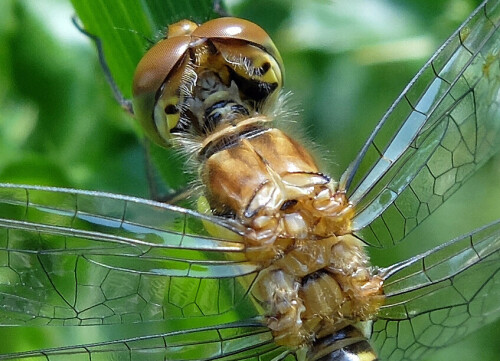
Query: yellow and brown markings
(354, 346)
(211, 97)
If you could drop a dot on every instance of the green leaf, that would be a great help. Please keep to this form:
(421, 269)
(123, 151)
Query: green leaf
(127, 28)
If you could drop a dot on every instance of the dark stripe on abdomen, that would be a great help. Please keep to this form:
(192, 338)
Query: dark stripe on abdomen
(348, 344)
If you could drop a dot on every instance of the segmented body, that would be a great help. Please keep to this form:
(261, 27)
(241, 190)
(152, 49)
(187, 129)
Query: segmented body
(217, 103)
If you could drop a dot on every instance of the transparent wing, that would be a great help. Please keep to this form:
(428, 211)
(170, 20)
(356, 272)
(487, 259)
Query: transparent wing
(439, 131)
(222, 343)
(439, 297)
(117, 276)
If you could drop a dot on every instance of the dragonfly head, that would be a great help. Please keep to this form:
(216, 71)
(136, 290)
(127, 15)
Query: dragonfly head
(202, 75)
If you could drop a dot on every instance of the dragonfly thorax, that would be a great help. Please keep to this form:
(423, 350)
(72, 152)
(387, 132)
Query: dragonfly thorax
(316, 278)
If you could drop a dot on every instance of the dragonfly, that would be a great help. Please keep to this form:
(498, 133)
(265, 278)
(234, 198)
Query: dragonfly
(76, 261)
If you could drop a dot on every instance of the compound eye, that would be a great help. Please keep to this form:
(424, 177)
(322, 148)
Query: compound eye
(155, 67)
(239, 29)
(180, 28)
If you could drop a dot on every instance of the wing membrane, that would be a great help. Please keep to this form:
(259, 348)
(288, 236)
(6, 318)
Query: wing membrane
(223, 343)
(440, 130)
(99, 276)
(148, 222)
(75, 258)
(436, 299)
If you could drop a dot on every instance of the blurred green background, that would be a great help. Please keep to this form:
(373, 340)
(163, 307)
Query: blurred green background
(345, 61)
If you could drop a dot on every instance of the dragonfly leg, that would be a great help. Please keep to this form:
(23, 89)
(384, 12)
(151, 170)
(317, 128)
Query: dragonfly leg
(125, 103)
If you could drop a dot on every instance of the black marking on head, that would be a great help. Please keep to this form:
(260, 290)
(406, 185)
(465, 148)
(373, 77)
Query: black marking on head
(185, 123)
(211, 122)
(192, 55)
(211, 47)
(224, 110)
(240, 109)
(217, 105)
(263, 69)
(253, 89)
(171, 109)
